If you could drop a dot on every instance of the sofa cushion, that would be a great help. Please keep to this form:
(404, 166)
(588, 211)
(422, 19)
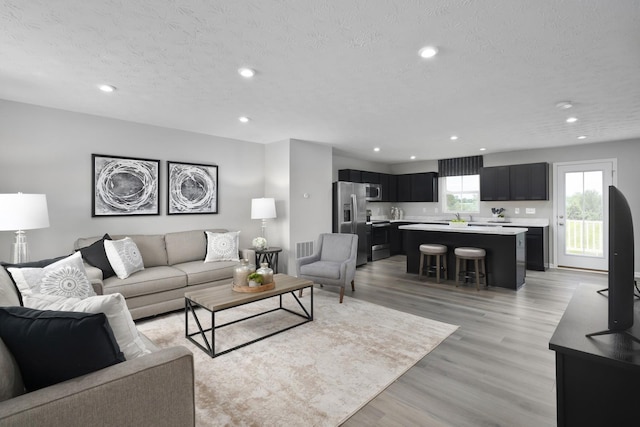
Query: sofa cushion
(200, 272)
(66, 277)
(222, 246)
(9, 294)
(152, 248)
(149, 281)
(95, 255)
(124, 257)
(113, 305)
(185, 246)
(328, 269)
(54, 346)
(11, 384)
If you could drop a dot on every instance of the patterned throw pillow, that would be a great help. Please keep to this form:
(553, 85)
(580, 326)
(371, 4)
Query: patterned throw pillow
(65, 278)
(222, 246)
(124, 257)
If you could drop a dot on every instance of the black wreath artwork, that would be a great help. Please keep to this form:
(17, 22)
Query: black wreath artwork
(126, 186)
(192, 188)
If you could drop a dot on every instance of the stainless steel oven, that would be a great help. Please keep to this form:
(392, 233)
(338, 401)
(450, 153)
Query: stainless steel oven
(380, 235)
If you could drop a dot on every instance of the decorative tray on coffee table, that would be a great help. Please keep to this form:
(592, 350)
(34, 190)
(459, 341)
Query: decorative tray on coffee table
(261, 288)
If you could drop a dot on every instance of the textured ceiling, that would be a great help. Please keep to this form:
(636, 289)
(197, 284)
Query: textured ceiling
(344, 73)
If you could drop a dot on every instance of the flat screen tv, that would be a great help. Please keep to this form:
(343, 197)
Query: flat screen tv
(621, 264)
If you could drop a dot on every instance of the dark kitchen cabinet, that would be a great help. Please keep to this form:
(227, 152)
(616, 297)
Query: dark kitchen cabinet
(529, 181)
(350, 175)
(396, 245)
(537, 247)
(494, 183)
(404, 188)
(424, 187)
(415, 187)
(370, 177)
(515, 182)
(389, 184)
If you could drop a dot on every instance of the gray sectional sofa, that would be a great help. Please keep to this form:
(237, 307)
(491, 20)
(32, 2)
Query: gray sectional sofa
(173, 264)
(154, 389)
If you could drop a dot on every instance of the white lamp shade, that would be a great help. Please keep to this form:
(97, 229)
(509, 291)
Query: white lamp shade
(263, 208)
(23, 211)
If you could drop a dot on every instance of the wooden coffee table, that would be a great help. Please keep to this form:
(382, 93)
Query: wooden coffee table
(222, 298)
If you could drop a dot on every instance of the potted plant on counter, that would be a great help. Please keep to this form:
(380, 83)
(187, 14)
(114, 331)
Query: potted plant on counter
(498, 214)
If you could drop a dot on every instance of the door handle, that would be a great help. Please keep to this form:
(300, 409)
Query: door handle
(561, 223)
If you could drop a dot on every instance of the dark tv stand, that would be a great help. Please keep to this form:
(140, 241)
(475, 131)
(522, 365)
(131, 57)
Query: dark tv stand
(596, 379)
(609, 332)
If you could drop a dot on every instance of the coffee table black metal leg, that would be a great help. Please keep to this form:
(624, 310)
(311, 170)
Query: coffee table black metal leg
(209, 349)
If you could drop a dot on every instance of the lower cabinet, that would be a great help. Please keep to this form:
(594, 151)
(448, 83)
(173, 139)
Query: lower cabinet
(537, 248)
(395, 238)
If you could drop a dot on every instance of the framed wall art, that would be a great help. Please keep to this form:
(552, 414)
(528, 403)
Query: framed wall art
(192, 188)
(125, 186)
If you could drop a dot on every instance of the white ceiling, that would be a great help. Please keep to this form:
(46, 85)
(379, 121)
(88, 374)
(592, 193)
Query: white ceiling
(340, 72)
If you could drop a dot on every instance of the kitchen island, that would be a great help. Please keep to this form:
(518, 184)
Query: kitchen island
(505, 246)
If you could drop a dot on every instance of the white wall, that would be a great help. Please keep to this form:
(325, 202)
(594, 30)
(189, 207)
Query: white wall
(296, 168)
(49, 151)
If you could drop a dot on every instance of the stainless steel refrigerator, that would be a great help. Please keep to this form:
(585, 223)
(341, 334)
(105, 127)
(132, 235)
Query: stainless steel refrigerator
(350, 214)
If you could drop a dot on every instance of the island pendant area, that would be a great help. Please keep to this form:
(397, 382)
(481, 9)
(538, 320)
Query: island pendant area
(505, 247)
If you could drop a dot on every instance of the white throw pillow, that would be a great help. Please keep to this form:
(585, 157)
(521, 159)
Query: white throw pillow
(65, 278)
(222, 246)
(113, 306)
(124, 257)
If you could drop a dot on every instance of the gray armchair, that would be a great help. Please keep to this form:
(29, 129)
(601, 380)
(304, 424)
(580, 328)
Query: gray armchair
(333, 262)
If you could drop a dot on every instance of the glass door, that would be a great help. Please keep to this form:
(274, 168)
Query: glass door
(582, 209)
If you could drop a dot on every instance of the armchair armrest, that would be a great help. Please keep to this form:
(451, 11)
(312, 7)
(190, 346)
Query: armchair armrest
(156, 389)
(306, 260)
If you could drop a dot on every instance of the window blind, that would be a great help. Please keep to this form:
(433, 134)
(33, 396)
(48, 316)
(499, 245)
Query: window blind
(460, 166)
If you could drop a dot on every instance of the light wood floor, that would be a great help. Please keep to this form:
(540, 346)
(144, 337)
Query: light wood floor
(495, 370)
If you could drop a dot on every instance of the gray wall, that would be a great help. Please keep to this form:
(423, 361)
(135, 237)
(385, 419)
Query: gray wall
(49, 151)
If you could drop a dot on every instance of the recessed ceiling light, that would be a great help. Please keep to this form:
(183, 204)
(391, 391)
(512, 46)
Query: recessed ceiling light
(572, 119)
(107, 88)
(247, 73)
(564, 105)
(412, 157)
(376, 149)
(453, 137)
(483, 149)
(582, 137)
(428, 52)
(243, 119)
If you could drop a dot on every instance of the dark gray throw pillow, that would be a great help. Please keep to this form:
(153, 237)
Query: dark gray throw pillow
(54, 346)
(95, 255)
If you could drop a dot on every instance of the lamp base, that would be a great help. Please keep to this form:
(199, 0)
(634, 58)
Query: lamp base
(19, 248)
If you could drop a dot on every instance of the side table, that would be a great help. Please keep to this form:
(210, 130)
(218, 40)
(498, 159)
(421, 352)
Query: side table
(268, 255)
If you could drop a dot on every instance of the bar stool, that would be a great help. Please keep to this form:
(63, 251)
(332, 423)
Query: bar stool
(476, 255)
(440, 252)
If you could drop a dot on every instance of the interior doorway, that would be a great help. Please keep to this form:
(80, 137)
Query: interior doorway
(581, 207)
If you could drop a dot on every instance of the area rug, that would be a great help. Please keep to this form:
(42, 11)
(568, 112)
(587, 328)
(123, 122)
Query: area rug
(316, 374)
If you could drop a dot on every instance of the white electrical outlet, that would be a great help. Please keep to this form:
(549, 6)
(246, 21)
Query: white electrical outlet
(516, 211)
(436, 210)
(424, 210)
(530, 211)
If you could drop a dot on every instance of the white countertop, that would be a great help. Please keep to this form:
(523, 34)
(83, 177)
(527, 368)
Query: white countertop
(511, 222)
(506, 231)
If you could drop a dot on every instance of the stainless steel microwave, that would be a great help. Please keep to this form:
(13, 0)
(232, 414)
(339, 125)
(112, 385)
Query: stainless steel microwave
(373, 192)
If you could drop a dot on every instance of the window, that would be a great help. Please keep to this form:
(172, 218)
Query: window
(461, 194)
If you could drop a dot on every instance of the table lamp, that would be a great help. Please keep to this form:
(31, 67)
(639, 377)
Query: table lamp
(21, 212)
(263, 208)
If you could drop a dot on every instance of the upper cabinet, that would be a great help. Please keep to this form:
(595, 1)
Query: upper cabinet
(515, 182)
(529, 182)
(494, 183)
(415, 187)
